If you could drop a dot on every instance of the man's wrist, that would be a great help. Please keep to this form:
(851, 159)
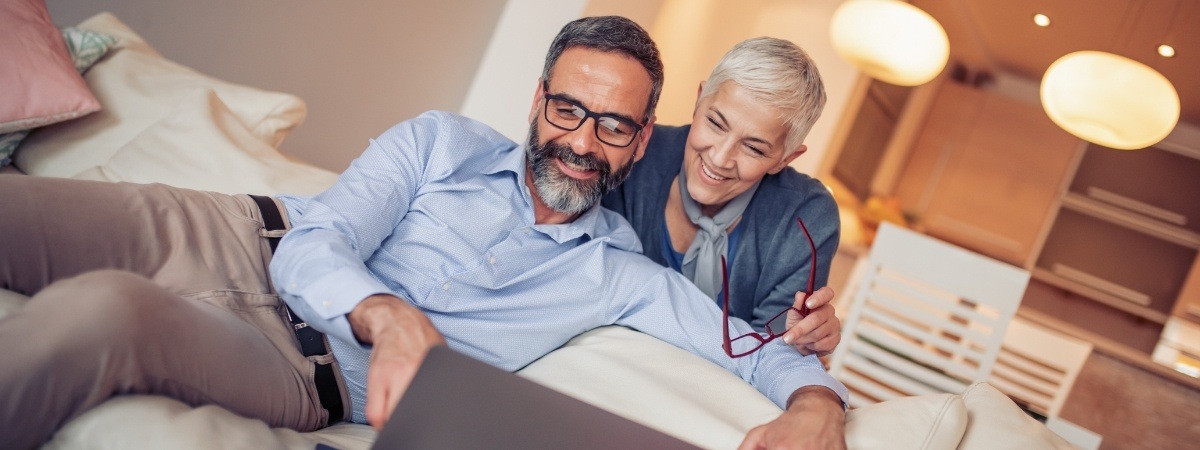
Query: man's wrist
(814, 395)
(367, 314)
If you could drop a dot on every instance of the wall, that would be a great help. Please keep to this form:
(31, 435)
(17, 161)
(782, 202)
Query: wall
(693, 35)
(361, 66)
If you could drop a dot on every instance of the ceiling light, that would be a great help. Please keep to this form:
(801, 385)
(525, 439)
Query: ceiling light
(1041, 20)
(1109, 100)
(1166, 51)
(889, 40)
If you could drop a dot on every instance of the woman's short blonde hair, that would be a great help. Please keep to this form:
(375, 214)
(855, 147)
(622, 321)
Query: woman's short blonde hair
(779, 74)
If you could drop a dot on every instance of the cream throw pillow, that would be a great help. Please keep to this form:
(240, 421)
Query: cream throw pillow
(138, 87)
(202, 145)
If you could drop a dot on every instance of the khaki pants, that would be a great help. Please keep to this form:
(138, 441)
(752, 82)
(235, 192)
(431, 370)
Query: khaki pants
(142, 289)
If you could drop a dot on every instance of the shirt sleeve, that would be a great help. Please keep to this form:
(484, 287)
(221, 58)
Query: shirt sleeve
(672, 309)
(319, 267)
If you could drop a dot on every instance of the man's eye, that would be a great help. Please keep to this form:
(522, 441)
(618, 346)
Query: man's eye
(615, 127)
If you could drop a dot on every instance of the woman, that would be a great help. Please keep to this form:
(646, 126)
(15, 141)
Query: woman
(721, 187)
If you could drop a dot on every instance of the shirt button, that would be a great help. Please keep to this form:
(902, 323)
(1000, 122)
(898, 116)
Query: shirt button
(446, 287)
(327, 303)
(492, 260)
(529, 231)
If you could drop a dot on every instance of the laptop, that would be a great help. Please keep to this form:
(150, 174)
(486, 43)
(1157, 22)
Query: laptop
(457, 402)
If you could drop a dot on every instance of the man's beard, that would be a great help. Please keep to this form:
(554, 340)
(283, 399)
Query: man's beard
(559, 191)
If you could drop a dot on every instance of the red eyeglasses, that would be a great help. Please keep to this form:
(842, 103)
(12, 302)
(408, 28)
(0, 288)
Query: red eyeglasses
(770, 335)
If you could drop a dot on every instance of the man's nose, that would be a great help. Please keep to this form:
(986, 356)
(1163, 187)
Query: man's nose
(583, 140)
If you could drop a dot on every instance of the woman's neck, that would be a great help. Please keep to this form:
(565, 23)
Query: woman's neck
(680, 227)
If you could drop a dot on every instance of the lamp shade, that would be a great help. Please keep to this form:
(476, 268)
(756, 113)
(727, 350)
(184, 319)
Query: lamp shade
(889, 40)
(1109, 100)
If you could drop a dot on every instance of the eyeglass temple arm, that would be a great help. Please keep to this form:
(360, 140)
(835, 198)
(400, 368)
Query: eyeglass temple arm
(725, 309)
(812, 268)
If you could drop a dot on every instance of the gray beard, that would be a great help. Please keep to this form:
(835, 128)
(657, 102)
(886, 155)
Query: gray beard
(561, 192)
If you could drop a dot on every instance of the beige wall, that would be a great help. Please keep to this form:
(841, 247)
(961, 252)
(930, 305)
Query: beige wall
(693, 35)
(361, 65)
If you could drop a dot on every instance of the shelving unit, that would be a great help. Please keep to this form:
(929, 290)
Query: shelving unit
(1125, 240)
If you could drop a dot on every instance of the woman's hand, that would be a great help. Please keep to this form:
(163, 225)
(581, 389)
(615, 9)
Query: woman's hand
(820, 331)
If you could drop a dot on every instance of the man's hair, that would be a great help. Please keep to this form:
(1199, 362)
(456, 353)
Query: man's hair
(779, 74)
(610, 34)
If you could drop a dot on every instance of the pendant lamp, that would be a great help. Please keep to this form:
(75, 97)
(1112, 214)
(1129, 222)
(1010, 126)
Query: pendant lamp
(889, 40)
(1109, 100)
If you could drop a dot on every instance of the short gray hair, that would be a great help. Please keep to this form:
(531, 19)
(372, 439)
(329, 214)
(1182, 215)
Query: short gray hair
(610, 34)
(779, 74)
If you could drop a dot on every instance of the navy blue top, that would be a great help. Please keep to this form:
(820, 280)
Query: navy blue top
(771, 261)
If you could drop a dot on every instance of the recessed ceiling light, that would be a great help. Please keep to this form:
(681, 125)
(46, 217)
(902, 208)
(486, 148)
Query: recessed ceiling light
(1041, 20)
(1166, 51)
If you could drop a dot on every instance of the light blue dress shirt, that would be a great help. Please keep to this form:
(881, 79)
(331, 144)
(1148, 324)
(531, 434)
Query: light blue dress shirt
(436, 212)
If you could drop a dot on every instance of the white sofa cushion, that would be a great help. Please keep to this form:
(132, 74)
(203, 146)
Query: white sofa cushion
(997, 423)
(202, 137)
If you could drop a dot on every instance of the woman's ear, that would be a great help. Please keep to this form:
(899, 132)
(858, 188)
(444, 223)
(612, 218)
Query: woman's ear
(788, 159)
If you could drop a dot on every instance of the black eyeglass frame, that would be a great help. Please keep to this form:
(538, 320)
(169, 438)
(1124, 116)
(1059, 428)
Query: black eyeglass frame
(589, 114)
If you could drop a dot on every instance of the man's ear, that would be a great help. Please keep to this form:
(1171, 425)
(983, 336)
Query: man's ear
(537, 100)
(788, 159)
(699, 91)
(644, 139)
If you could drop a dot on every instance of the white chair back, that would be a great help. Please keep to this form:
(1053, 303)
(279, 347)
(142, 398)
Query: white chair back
(1038, 366)
(926, 317)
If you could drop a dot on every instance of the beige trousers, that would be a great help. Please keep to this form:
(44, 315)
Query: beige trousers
(143, 289)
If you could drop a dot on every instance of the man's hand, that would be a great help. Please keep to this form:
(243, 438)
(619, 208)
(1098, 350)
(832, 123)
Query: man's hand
(401, 335)
(814, 419)
(820, 331)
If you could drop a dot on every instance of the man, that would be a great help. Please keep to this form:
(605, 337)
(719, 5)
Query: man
(442, 232)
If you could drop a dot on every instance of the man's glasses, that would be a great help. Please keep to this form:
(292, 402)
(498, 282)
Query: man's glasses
(758, 340)
(569, 115)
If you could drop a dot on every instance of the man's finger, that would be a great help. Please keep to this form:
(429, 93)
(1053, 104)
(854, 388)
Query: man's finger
(753, 440)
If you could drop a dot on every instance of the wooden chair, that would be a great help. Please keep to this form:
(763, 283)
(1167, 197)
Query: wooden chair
(1037, 366)
(926, 317)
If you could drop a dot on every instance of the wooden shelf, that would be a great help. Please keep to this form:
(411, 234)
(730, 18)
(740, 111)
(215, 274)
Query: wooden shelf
(1109, 347)
(1134, 221)
(1100, 295)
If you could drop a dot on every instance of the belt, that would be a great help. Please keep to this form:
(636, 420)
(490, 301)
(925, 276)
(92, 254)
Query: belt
(312, 342)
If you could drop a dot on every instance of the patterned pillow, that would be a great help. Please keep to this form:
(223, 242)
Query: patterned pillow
(85, 47)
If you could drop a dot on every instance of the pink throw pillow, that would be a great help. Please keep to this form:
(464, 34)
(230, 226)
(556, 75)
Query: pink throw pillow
(38, 79)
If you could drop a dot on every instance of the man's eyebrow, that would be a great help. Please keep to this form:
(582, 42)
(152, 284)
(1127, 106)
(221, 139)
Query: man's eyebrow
(604, 113)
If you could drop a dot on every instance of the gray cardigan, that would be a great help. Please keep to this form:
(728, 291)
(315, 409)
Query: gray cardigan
(771, 261)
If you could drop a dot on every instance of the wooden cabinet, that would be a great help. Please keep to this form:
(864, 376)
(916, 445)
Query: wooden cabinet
(985, 172)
